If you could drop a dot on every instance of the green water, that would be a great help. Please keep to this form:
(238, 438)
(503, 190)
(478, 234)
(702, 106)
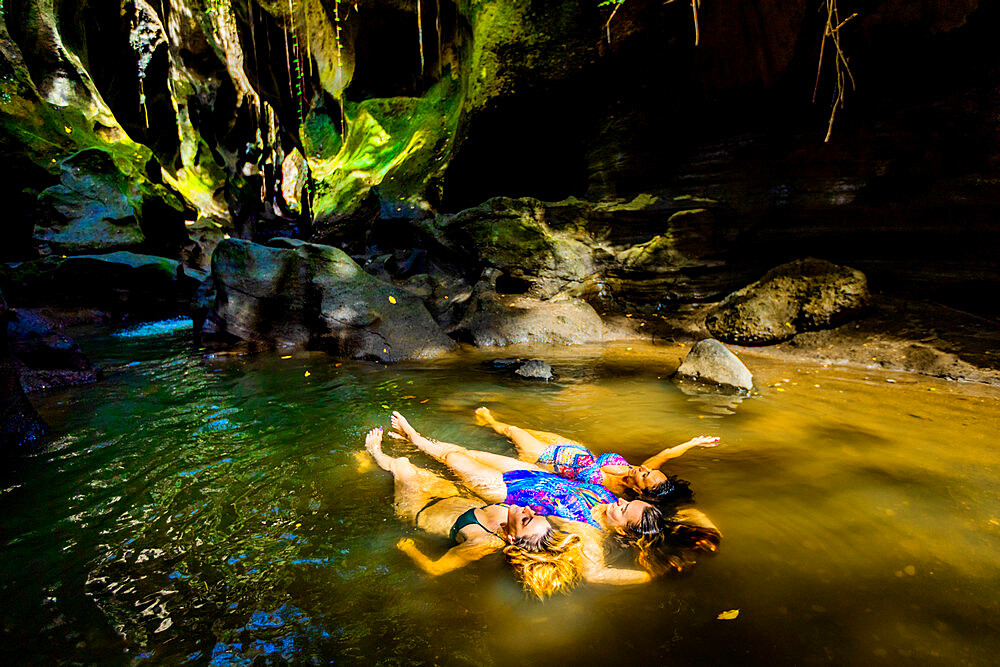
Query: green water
(210, 509)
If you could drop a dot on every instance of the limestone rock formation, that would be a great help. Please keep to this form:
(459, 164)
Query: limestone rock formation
(709, 361)
(294, 293)
(513, 237)
(804, 295)
(493, 320)
(121, 282)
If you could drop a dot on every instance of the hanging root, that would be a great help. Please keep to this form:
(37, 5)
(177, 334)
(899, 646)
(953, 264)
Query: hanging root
(841, 70)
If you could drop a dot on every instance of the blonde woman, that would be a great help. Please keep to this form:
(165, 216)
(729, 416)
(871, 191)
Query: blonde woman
(546, 560)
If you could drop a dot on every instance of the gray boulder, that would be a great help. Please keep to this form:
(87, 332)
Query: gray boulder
(710, 361)
(496, 320)
(514, 236)
(804, 295)
(294, 293)
(535, 369)
(44, 357)
(117, 281)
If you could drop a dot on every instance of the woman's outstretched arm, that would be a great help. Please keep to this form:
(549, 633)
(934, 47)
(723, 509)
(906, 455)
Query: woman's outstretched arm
(657, 460)
(596, 572)
(453, 559)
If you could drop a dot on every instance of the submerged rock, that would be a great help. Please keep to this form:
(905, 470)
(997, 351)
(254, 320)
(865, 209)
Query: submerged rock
(303, 294)
(804, 295)
(710, 361)
(535, 369)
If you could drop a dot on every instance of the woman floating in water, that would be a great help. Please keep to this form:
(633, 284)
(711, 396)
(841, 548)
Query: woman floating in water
(570, 459)
(546, 560)
(589, 510)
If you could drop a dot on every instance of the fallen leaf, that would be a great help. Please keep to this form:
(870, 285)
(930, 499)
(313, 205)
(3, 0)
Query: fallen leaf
(406, 397)
(425, 400)
(392, 299)
(337, 365)
(728, 615)
(287, 356)
(306, 374)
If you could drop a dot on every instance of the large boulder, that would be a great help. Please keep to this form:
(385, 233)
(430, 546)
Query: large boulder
(96, 206)
(709, 361)
(513, 237)
(804, 295)
(21, 429)
(294, 293)
(44, 357)
(495, 320)
(122, 282)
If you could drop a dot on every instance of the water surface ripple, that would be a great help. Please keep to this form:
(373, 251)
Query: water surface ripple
(210, 509)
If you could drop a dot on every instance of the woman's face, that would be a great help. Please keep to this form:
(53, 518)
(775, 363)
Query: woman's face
(522, 522)
(641, 478)
(625, 513)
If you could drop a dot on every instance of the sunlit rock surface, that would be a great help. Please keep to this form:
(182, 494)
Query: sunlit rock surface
(804, 295)
(709, 361)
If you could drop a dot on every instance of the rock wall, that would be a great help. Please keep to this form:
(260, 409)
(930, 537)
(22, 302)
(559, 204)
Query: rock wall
(162, 128)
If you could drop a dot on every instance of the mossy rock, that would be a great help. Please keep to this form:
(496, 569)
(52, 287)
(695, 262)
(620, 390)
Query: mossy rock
(511, 235)
(804, 295)
(299, 294)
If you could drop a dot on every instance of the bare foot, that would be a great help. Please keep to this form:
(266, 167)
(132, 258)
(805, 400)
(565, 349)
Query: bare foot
(484, 417)
(373, 443)
(401, 426)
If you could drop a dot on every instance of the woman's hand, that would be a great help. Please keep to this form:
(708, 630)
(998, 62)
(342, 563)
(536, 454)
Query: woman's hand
(704, 441)
(406, 545)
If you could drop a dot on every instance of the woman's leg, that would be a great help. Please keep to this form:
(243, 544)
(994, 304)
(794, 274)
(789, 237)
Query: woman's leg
(484, 480)
(529, 443)
(443, 450)
(414, 487)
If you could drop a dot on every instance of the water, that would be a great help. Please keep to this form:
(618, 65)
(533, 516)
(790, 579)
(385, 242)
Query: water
(210, 510)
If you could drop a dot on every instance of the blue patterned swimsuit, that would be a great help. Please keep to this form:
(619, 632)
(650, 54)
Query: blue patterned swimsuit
(551, 495)
(578, 462)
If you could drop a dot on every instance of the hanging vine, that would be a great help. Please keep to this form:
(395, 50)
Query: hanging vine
(340, 69)
(695, 5)
(841, 70)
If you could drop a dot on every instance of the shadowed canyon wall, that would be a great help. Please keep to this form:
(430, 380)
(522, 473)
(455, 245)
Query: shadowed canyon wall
(164, 126)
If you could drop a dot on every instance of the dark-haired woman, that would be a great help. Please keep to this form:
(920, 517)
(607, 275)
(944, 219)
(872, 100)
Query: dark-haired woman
(572, 460)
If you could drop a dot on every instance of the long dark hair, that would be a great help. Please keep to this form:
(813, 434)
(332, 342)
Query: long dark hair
(684, 534)
(669, 492)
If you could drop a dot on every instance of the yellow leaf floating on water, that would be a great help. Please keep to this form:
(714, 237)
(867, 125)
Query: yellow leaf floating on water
(288, 356)
(425, 400)
(407, 397)
(392, 299)
(728, 615)
(306, 374)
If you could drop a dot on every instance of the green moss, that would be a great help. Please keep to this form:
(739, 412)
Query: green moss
(400, 144)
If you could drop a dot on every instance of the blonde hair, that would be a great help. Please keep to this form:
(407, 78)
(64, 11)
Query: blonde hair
(554, 566)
